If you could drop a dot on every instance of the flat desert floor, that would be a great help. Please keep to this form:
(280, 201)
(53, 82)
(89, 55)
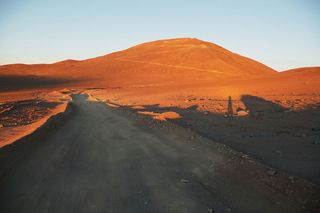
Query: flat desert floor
(162, 147)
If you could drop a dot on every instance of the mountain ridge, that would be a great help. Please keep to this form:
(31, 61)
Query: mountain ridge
(179, 60)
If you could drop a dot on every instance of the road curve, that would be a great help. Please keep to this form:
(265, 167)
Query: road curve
(98, 160)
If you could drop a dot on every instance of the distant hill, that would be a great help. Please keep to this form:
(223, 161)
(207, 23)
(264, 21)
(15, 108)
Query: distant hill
(158, 62)
(302, 72)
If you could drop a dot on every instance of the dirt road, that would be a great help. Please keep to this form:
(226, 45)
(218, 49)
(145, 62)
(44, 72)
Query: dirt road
(98, 160)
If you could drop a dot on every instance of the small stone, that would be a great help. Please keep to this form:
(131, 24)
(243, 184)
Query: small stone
(301, 135)
(210, 210)
(292, 179)
(245, 156)
(242, 113)
(316, 142)
(185, 181)
(1, 125)
(279, 152)
(271, 172)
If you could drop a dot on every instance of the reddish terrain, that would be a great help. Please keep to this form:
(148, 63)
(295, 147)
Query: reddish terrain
(184, 63)
(166, 62)
(276, 114)
(265, 124)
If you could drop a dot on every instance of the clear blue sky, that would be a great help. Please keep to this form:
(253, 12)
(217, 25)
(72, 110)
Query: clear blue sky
(282, 34)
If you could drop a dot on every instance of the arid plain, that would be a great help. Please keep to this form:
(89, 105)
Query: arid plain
(262, 124)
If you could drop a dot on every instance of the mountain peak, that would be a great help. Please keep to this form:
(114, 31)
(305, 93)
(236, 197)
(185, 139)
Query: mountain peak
(191, 54)
(179, 43)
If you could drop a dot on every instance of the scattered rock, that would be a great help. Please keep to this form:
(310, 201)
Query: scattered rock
(279, 152)
(301, 135)
(242, 113)
(191, 137)
(185, 181)
(161, 116)
(271, 172)
(292, 179)
(138, 107)
(245, 156)
(191, 99)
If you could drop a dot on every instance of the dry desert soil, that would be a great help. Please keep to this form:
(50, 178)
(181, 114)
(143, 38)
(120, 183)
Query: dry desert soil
(178, 125)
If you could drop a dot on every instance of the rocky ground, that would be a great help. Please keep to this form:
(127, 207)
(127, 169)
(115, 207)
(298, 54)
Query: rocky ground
(22, 113)
(95, 157)
(279, 133)
(282, 131)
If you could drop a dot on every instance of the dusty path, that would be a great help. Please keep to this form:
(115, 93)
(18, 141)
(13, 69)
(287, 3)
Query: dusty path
(99, 161)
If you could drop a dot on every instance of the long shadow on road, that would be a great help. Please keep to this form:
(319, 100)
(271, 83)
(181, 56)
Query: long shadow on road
(270, 133)
(95, 159)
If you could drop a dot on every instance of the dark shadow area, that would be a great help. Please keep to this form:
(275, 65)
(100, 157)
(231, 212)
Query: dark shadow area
(230, 107)
(8, 83)
(283, 139)
(257, 106)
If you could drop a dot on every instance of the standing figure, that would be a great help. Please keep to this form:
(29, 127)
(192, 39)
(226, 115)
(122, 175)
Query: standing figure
(230, 109)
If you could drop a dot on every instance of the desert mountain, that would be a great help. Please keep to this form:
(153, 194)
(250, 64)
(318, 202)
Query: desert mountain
(172, 61)
(303, 71)
(191, 54)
